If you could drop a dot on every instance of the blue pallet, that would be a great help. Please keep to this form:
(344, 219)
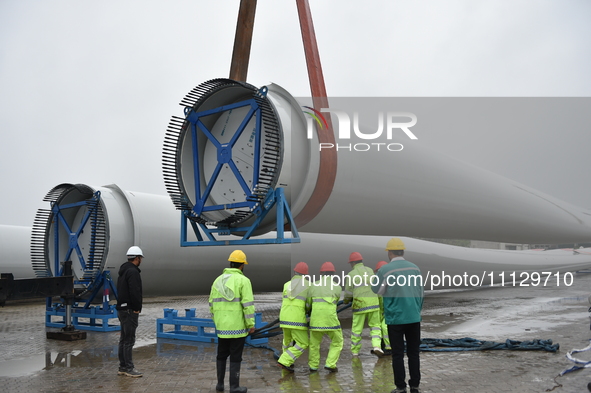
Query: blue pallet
(205, 331)
(93, 313)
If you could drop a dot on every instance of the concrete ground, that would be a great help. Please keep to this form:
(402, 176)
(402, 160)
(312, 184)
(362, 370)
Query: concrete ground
(31, 363)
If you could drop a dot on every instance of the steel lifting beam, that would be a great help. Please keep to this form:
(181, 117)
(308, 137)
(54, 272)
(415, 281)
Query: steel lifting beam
(30, 288)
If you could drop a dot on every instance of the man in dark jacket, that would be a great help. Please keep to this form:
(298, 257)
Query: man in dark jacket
(129, 306)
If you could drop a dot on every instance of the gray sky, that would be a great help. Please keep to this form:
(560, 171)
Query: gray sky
(87, 88)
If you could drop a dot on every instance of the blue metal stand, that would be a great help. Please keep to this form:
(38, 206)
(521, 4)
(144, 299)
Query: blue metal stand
(102, 313)
(275, 198)
(202, 329)
(92, 314)
(84, 316)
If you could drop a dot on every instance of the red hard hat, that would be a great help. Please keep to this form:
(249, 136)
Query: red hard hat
(380, 264)
(327, 267)
(355, 257)
(301, 267)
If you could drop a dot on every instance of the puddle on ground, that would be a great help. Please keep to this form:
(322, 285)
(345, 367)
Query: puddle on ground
(20, 367)
(502, 318)
(96, 357)
(49, 360)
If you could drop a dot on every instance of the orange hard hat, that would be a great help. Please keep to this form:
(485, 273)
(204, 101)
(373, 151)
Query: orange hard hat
(327, 267)
(355, 257)
(380, 264)
(301, 267)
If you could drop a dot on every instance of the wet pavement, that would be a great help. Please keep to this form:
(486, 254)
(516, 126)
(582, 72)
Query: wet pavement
(31, 363)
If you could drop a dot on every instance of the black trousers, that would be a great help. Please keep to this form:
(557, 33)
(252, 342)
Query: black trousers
(231, 347)
(412, 333)
(129, 321)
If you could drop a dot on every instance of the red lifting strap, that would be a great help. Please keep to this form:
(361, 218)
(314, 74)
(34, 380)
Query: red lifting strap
(328, 157)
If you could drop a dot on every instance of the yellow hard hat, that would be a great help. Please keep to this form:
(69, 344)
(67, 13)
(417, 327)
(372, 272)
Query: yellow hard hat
(238, 256)
(395, 244)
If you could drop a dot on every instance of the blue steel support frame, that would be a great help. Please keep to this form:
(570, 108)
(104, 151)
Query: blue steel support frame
(274, 198)
(102, 313)
(104, 282)
(224, 154)
(73, 236)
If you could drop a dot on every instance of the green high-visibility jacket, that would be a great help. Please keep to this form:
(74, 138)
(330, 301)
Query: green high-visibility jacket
(295, 304)
(358, 289)
(232, 304)
(324, 296)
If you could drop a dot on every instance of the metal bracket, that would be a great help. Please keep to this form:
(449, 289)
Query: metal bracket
(275, 198)
(88, 313)
(224, 154)
(73, 234)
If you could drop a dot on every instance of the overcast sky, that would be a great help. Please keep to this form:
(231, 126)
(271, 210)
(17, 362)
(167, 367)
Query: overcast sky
(87, 88)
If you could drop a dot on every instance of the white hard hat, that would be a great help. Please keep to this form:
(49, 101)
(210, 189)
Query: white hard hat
(135, 251)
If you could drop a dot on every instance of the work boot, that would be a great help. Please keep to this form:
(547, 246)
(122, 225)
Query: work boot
(378, 352)
(221, 369)
(286, 368)
(235, 378)
(133, 373)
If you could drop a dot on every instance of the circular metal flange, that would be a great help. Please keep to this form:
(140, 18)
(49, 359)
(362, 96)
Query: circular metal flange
(73, 229)
(223, 158)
